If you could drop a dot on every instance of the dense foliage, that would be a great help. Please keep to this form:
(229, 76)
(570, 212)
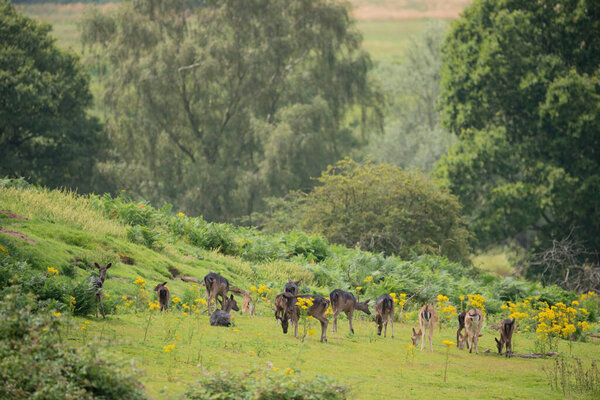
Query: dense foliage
(34, 363)
(214, 107)
(521, 89)
(45, 132)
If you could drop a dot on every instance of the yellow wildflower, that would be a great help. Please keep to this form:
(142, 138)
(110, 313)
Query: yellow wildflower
(53, 271)
(449, 343)
(176, 300)
(56, 314)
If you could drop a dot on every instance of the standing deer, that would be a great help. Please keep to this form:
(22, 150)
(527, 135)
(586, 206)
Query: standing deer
(97, 285)
(506, 333)
(461, 325)
(291, 287)
(223, 317)
(346, 302)
(216, 286)
(287, 310)
(427, 319)
(473, 323)
(163, 296)
(247, 305)
(384, 312)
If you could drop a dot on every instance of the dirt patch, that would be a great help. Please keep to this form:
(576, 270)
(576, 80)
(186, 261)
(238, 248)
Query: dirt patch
(125, 259)
(17, 235)
(12, 215)
(407, 9)
(174, 271)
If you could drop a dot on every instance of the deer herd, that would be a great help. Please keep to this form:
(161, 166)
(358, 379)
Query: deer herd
(287, 309)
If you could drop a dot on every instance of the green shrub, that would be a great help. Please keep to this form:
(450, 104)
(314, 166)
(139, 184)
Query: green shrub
(225, 386)
(34, 363)
(144, 236)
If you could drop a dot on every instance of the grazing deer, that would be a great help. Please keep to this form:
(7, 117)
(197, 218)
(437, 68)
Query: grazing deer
(346, 302)
(287, 310)
(427, 319)
(291, 287)
(384, 312)
(216, 286)
(461, 326)
(97, 285)
(473, 323)
(163, 296)
(506, 333)
(223, 317)
(247, 305)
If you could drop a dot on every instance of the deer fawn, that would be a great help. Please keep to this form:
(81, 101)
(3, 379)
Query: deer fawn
(163, 296)
(223, 317)
(287, 310)
(291, 287)
(346, 302)
(427, 319)
(473, 323)
(216, 286)
(97, 285)
(384, 312)
(506, 333)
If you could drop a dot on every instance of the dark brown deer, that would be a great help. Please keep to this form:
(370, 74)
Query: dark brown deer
(97, 285)
(223, 317)
(163, 296)
(473, 322)
(506, 333)
(346, 302)
(292, 287)
(461, 325)
(427, 319)
(384, 312)
(216, 286)
(287, 310)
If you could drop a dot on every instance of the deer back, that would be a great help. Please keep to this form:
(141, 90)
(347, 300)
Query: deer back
(215, 283)
(342, 301)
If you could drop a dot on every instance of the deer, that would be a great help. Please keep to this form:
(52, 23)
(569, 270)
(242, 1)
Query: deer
(97, 285)
(247, 305)
(216, 286)
(473, 323)
(384, 312)
(163, 296)
(506, 332)
(291, 287)
(346, 302)
(427, 319)
(287, 310)
(461, 326)
(223, 317)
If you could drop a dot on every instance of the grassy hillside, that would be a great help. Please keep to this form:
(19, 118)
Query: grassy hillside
(67, 232)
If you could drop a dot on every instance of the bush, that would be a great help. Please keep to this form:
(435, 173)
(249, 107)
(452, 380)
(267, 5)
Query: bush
(225, 386)
(383, 208)
(34, 364)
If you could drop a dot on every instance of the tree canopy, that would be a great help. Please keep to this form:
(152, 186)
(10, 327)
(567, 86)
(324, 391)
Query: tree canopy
(215, 106)
(45, 132)
(521, 89)
(384, 208)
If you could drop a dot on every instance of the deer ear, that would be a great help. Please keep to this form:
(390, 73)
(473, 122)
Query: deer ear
(414, 332)
(496, 339)
(231, 297)
(298, 281)
(108, 265)
(96, 265)
(164, 283)
(290, 281)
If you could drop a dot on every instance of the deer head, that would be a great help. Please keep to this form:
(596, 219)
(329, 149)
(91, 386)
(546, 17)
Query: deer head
(416, 336)
(159, 286)
(102, 270)
(231, 304)
(363, 306)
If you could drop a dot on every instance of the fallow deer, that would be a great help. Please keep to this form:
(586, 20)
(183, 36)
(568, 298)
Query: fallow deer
(461, 325)
(346, 302)
(291, 287)
(216, 286)
(97, 285)
(473, 323)
(223, 317)
(427, 319)
(506, 333)
(247, 305)
(287, 310)
(163, 296)
(384, 312)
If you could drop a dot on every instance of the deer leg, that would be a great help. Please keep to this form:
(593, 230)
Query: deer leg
(97, 300)
(431, 338)
(101, 305)
(392, 322)
(335, 316)
(324, 322)
(295, 322)
(423, 338)
(349, 315)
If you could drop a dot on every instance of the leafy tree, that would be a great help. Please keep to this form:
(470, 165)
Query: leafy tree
(386, 209)
(521, 89)
(414, 136)
(45, 132)
(214, 107)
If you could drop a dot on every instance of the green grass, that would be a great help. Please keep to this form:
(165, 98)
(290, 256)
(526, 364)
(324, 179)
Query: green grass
(495, 261)
(375, 367)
